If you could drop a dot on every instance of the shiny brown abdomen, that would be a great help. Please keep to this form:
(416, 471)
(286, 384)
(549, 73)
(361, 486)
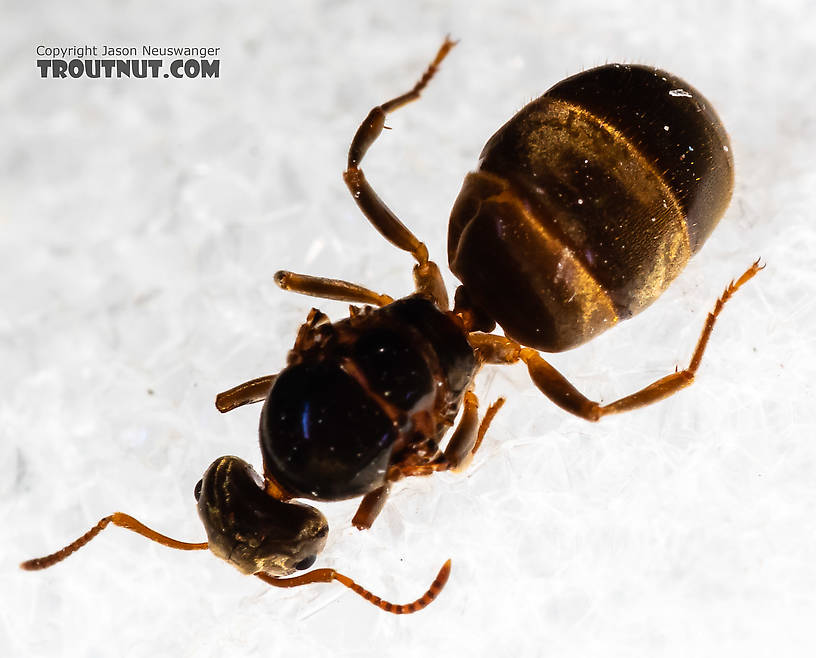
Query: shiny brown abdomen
(588, 203)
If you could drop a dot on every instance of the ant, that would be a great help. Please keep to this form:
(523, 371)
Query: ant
(585, 206)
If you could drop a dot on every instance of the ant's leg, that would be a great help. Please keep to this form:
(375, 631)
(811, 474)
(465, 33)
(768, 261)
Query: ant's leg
(249, 392)
(464, 436)
(497, 349)
(256, 390)
(463, 443)
(492, 410)
(370, 507)
(372, 206)
(426, 274)
(318, 286)
(468, 436)
(428, 280)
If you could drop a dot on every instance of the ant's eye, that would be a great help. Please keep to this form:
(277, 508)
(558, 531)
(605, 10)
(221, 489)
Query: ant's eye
(306, 562)
(197, 490)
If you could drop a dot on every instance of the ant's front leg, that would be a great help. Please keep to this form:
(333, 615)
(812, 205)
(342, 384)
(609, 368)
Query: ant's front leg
(370, 507)
(256, 390)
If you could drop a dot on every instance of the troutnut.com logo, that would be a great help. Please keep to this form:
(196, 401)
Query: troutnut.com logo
(128, 62)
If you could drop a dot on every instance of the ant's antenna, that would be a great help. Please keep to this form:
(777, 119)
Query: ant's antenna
(316, 576)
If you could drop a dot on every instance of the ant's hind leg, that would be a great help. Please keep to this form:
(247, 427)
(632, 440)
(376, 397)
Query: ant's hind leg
(426, 274)
(428, 281)
(497, 349)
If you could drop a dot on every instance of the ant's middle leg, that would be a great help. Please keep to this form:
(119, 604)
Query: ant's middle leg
(249, 392)
(318, 286)
(468, 436)
(426, 274)
(463, 444)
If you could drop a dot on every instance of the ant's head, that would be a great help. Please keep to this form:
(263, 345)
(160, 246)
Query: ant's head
(252, 530)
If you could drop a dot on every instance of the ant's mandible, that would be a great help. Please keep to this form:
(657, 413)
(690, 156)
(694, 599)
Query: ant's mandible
(585, 206)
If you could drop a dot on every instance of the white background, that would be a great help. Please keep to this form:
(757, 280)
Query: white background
(141, 222)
